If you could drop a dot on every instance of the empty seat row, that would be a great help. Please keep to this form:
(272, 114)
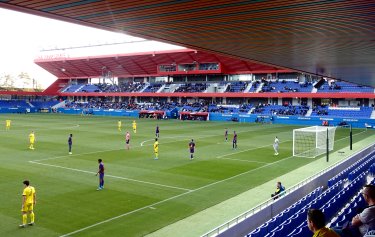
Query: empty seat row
(330, 202)
(343, 175)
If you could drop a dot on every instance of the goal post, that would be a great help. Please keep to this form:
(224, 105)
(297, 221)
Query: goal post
(311, 142)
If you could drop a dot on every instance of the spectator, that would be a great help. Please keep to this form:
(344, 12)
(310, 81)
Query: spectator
(279, 189)
(316, 223)
(365, 220)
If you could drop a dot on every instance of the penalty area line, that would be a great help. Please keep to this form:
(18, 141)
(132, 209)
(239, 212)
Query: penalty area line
(171, 198)
(112, 176)
(249, 161)
(151, 206)
(251, 149)
(149, 140)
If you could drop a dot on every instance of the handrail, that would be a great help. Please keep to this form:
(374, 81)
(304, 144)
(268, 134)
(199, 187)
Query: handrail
(216, 231)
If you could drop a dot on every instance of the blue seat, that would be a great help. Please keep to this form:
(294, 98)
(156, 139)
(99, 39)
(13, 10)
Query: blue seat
(271, 234)
(272, 224)
(254, 233)
(301, 231)
(263, 230)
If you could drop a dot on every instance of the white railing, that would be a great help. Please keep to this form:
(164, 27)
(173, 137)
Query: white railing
(265, 204)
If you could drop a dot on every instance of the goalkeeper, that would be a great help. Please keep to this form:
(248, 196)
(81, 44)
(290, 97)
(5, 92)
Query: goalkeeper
(276, 146)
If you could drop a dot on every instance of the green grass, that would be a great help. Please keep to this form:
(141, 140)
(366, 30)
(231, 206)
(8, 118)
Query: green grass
(141, 195)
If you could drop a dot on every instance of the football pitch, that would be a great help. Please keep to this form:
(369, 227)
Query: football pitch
(141, 195)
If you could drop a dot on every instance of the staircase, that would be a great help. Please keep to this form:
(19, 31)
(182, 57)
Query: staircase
(32, 106)
(59, 105)
(80, 88)
(260, 87)
(225, 87)
(144, 88)
(309, 112)
(373, 114)
(247, 89)
(161, 88)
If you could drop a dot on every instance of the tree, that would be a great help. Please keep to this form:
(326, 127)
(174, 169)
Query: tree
(37, 85)
(7, 81)
(25, 79)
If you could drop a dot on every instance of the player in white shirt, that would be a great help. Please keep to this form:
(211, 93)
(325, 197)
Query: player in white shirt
(276, 146)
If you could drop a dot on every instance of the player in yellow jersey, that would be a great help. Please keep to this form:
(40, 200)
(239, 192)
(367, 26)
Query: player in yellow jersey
(31, 140)
(28, 203)
(134, 126)
(7, 124)
(119, 125)
(156, 149)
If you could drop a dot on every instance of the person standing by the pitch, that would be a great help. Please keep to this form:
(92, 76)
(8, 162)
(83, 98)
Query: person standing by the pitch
(70, 143)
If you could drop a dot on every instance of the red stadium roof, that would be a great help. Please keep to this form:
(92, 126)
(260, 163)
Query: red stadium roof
(146, 64)
(330, 38)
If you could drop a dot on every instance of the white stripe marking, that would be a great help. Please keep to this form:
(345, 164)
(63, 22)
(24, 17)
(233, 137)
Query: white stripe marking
(174, 197)
(250, 161)
(168, 199)
(112, 176)
(251, 149)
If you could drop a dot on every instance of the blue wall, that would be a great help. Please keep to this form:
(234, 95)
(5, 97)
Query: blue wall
(243, 118)
(100, 112)
(19, 110)
(289, 119)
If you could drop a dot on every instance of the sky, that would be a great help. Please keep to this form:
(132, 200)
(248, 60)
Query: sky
(24, 36)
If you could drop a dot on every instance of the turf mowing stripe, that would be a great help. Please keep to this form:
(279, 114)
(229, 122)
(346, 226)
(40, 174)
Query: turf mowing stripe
(142, 144)
(122, 215)
(251, 149)
(38, 129)
(251, 161)
(177, 196)
(133, 147)
(172, 198)
(112, 176)
(255, 148)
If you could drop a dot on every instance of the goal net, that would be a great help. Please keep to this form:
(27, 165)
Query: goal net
(311, 142)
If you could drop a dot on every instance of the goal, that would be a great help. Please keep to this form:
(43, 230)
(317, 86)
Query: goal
(311, 142)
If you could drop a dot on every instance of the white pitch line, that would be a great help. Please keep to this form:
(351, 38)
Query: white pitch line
(168, 199)
(40, 129)
(148, 140)
(142, 144)
(249, 161)
(251, 149)
(122, 215)
(87, 153)
(117, 149)
(255, 148)
(112, 176)
(177, 196)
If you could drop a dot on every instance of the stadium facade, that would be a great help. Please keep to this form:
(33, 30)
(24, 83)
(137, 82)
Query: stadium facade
(194, 85)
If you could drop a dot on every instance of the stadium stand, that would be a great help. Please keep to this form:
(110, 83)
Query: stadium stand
(280, 110)
(14, 104)
(238, 86)
(44, 104)
(89, 88)
(331, 201)
(351, 171)
(358, 112)
(291, 86)
(153, 87)
(72, 87)
(192, 87)
(340, 86)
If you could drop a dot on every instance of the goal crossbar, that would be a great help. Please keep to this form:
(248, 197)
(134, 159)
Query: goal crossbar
(312, 141)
